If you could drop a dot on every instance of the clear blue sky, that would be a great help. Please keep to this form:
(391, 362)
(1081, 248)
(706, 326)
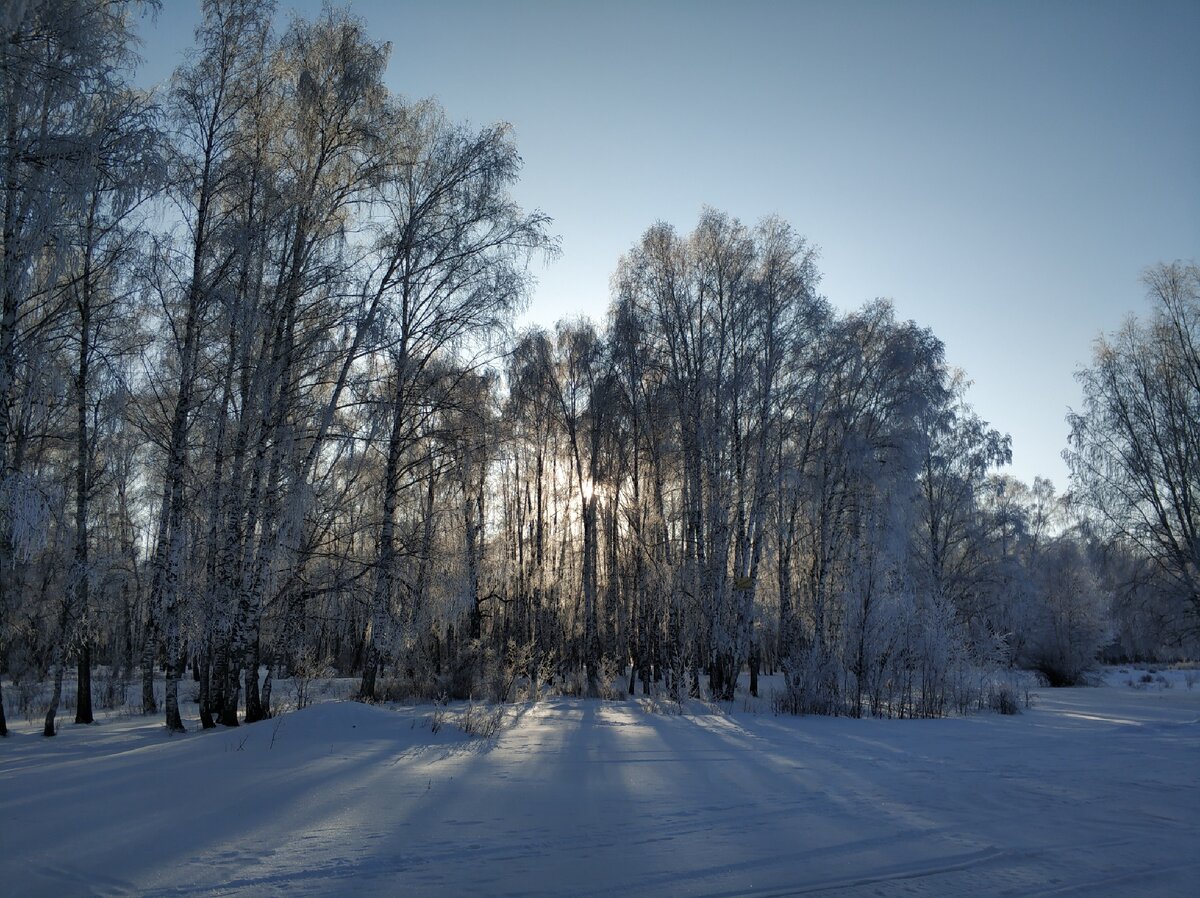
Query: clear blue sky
(1002, 171)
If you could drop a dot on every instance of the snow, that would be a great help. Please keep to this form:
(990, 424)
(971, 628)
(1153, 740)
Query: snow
(1092, 791)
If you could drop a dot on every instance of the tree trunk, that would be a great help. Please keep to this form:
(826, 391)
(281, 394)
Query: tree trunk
(382, 596)
(174, 722)
(55, 697)
(172, 644)
(591, 636)
(204, 674)
(366, 689)
(83, 684)
(166, 587)
(83, 691)
(126, 653)
(229, 707)
(149, 648)
(266, 693)
(254, 709)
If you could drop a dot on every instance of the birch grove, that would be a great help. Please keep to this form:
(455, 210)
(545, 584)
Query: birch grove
(266, 412)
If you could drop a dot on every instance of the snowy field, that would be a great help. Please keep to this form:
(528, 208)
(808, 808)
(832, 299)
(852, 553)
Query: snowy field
(1092, 791)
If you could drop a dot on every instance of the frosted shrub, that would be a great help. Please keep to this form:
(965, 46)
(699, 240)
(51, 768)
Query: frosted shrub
(481, 721)
(307, 667)
(874, 622)
(911, 659)
(498, 679)
(943, 659)
(534, 677)
(606, 686)
(437, 718)
(478, 670)
(659, 702)
(1004, 699)
(607, 677)
(1070, 625)
(503, 671)
(111, 690)
(573, 683)
(30, 700)
(811, 683)
(403, 686)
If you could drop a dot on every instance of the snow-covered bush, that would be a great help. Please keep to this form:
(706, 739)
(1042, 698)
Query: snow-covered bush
(1003, 698)
(811, 680)
(31, 701)
(306, 667)
(111, 689)
(915, 660)
(1070, 624)
(437, 718)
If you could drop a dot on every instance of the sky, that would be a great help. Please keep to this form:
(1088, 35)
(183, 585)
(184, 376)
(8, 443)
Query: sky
(1002, 172)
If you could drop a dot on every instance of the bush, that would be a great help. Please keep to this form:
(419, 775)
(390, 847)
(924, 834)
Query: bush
(111, 691)
(1003, 699)
(1070, 626)
(306, 667)
(811, 684)
(437, 718)
(464, 673)
(30, 702)
(480, 721)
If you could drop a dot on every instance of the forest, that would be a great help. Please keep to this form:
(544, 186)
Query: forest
(266, 412)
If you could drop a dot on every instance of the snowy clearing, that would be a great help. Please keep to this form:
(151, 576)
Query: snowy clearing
(1092, 791)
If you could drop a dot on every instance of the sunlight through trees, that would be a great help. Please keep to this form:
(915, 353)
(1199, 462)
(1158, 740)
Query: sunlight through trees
(263, 413)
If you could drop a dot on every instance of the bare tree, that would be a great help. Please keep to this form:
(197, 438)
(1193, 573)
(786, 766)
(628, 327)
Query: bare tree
(205, 105)
(60, 65)
(452, 273)
(1135, 444)
(125, 170)
(957, 560)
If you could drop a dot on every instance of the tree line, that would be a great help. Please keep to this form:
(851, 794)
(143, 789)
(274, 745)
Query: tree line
(264, 414)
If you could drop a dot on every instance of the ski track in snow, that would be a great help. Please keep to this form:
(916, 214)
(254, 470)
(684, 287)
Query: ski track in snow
(1091, 792)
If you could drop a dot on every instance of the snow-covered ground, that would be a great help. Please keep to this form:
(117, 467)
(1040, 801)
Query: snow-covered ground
(1092, 791)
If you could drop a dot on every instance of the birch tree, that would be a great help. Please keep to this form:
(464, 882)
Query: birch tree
(58, 61)
(952, 539)
(205, 106)
(125, 170)
(452, 272)
(1135, 443)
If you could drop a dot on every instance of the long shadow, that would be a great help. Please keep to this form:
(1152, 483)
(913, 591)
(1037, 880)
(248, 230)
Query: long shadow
(206, 811)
